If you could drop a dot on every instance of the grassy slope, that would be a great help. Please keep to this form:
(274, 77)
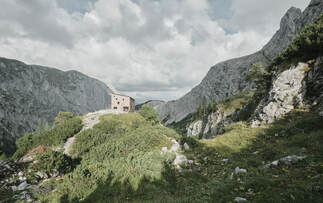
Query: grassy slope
(299, 133)
(231, 104)
(119, 156)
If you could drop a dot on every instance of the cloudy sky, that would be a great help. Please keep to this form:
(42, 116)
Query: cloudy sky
(149, 49)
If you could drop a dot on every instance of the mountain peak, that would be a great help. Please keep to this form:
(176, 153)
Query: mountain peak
(228, 78)
(285, 34)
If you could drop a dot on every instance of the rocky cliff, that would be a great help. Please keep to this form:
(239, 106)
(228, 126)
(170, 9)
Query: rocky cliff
(29, 93)
(287, 93)
(228, 78)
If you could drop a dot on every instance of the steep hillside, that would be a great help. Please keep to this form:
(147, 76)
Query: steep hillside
(228, 78)
(30, 93)
(119, 153)
(293, 80)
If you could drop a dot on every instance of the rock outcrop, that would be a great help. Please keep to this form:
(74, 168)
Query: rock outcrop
(287, 92)
(29, 93)
(293, 88)
(195, 129)
(228, 78)
(213, 125)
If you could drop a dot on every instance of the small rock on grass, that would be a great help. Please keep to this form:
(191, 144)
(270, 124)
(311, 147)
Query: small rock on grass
(22, 186)
(240, 199)
(238, 170)
(286, 160)
(225, 160)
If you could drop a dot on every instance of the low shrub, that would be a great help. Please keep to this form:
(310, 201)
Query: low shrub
(24, 144)
(192, 142)
(63, 116)
(149, 113)
(88, 139)
(51, 161)
(60, 133)
(119, 155)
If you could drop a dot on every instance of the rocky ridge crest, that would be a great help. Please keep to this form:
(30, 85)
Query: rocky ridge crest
(228, 78)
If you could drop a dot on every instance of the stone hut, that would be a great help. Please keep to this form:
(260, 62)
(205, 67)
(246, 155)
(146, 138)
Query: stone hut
(122, 103)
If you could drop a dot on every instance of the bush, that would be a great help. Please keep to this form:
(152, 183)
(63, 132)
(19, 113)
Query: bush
(257, 74)
(24, 144)
(192, 142)
(60, 133)
(51, 161)
(87, 140)
(63, 116)
(111, 126)
(149, 113)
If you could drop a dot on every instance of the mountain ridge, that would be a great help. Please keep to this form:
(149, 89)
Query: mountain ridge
(227, 78)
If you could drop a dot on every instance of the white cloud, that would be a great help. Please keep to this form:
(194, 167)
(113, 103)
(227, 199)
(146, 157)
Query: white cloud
(146, 48)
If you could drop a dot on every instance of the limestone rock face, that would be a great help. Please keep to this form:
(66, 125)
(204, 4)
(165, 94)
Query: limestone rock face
(228, 78)
(195, 129)
(287, 92)
(29, 93)
(213, 125)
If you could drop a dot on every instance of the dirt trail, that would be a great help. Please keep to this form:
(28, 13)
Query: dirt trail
(89, 121)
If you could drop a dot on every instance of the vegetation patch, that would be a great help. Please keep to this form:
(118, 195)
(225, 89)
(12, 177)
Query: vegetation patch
(306, 45)
(128, 167)
(298, 133)
(55, 136)
(120, 157)
(53, 162)
(149, 114)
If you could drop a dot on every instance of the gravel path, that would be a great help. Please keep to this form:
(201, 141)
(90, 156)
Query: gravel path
(89, 121)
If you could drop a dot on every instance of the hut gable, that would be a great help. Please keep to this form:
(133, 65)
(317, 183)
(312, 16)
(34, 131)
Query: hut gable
(122, 103)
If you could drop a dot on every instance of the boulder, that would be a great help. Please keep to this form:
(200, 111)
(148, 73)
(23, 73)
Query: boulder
(195, 129)
(238, 170)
